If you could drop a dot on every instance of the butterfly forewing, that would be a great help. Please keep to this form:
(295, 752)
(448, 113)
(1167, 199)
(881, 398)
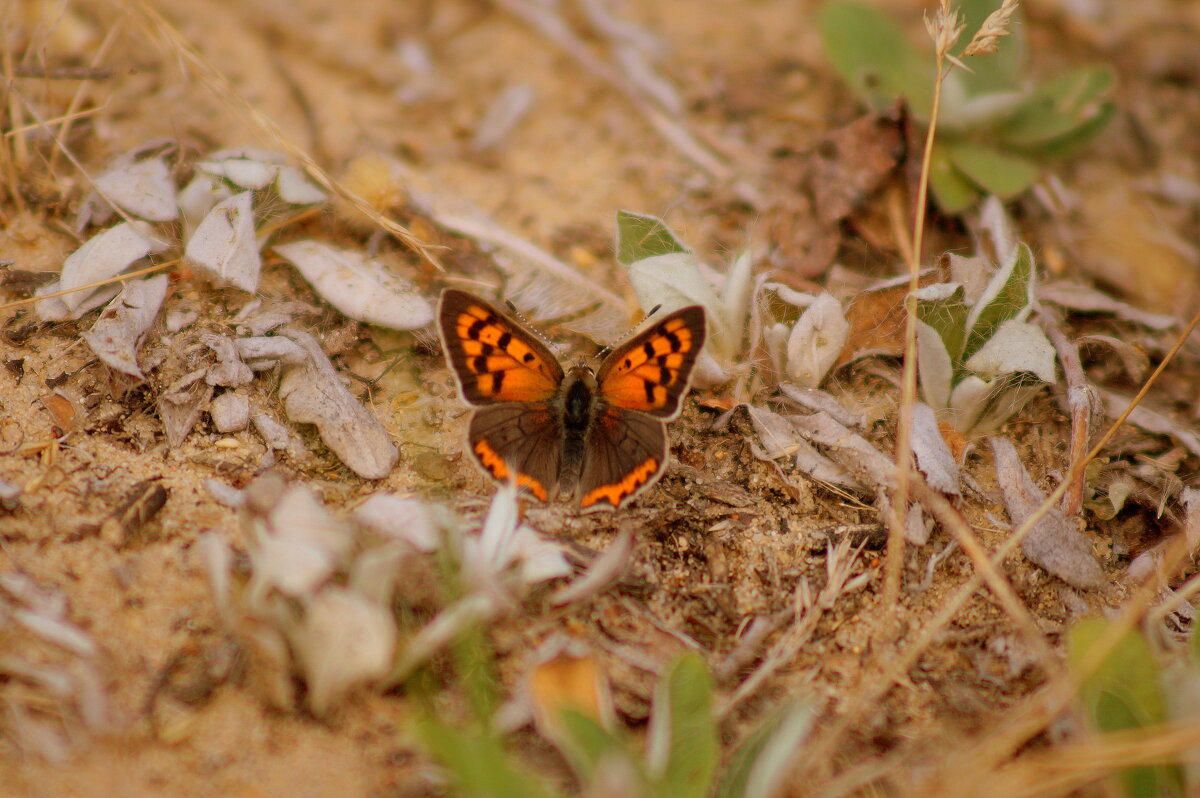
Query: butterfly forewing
(651, 372)
(494, 359)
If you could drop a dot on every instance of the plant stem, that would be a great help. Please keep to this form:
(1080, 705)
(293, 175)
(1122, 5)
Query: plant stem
(908, 382)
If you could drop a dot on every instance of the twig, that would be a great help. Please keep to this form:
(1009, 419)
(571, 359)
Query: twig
(120, 278)
(1082, 401)
(81, 92)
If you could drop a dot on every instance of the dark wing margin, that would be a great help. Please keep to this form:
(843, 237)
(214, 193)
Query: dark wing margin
(521, 441)
(626, 454)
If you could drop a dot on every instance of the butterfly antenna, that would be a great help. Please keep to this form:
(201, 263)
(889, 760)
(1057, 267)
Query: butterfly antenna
(629, 333)
(529, 325)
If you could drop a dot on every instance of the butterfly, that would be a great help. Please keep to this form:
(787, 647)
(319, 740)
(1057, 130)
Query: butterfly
(601, 435)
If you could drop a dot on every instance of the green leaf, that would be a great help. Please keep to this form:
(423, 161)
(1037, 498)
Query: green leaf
(998, 71)
(953, 192)
(996, 172)
(478, 766)
(1062, 114)
(1008, 295)
(761, 764)
(874, 58)
(475, 666)
(944, 308)
(1123, 693)
(683, 735)
(588, 746)
(640, 236)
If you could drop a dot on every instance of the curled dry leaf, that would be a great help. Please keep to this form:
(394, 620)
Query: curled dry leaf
(847, 448)
(779, 437)
(360, 287)
(313, 393)
(224, 244)
(229, 371)
(279, 438)
(401, 517)
(143, 188)
(1054, 543)
(568, 676)
(118, 332)
(346, 641)
(295, 543)
(264, 352)
(179, 407)
(101, 257)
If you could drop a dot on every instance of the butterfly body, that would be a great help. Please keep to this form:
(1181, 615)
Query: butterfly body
(599, 436)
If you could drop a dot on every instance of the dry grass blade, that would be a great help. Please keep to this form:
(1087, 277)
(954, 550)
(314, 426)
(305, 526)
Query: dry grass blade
(823, 747)
(992, 30)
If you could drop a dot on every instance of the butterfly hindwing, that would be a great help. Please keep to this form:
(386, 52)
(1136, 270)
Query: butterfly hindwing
(626, 453)
(525, 438)
(494, 358)
(650, 373)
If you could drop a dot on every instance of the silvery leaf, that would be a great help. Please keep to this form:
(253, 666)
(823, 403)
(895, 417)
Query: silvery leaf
(143, 188)
(816, 341)
(116, 334)
(224, 244)
(361, 288)
(101, 257)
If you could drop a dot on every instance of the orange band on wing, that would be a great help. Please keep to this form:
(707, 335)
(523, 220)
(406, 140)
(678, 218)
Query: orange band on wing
(619, 491)
(499, 469)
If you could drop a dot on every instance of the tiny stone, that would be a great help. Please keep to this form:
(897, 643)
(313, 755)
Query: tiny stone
(230, 412)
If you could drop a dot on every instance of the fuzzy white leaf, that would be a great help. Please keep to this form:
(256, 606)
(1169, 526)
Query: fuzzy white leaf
(401, 517)
(775, 338)
(143, 188)
(541, 559)
(674, 281)
(199, 197)
(933, 367)
(359, 287)
(346, 641)
(1016, 346)
(297, 547)
(242, 172)
(816, 341)
(101, 257)
(736, 293)
(224, 244)
(967, 402)
(994, 221)
(116, 334)
(295, 188)
(933, 455)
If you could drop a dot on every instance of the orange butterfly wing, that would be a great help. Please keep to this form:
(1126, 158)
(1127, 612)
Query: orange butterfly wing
(494, 358)
(651, 372)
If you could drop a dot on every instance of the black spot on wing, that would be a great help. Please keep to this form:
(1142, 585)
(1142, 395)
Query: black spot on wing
(505, 340)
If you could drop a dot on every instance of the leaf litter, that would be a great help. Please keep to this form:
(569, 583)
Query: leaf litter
(235, 350)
